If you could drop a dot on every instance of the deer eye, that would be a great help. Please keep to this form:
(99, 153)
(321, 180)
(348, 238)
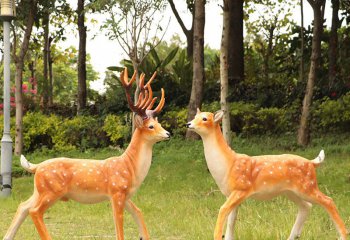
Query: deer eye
(151, 127)
(205, 119)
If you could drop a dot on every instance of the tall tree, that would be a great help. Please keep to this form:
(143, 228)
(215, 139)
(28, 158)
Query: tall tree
(302, 43)
(333, 44)
(198, 64)
(224, 78)
(27, 10)
(82, 92)
(235, 48)
(188, 32)
(318, 7)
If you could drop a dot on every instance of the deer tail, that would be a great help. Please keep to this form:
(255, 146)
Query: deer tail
(30, 167)
(319, 159)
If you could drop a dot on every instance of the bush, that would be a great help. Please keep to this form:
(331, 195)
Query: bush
(333, 114)
(117, 129)
(38, 130)
(265, 121)
(80, 132)
(175, 121)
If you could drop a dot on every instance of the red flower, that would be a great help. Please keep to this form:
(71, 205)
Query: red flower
(333, 94)
(12, 99)
(34, 91)
(24, 88)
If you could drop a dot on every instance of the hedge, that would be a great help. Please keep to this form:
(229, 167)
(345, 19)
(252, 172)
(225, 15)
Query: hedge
(83, 132)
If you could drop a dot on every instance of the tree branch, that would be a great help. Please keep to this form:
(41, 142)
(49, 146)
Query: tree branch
(178, 18)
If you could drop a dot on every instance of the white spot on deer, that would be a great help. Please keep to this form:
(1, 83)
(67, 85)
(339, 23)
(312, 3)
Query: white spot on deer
(265, 183)
(117, 173)
(288, 181)
(113, 184)
(106, 180)
(48, 200)
(65, 174)
(90, 170)
(271, 172)
(77, 184)
(98, 172)
(97, 188)
(126, 172)
(119, 203)
(54, 171)
(51, 182)
(280, 168)
(74, 173)
(84, 164)
(125, 186)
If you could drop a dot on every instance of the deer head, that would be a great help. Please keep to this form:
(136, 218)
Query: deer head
(205, 122)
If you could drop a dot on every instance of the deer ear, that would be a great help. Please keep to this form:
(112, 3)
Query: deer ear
(138, 121)
(198, 111)
(218, 116)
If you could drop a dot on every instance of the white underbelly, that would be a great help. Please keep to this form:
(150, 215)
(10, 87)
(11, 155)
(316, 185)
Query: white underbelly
(87, 198)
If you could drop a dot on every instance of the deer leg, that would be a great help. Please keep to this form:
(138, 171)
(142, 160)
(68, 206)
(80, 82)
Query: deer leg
(304, 208)
(21, 214)
(231, 224)
(232, 202)
(118, 203)
(137, 215)
(42, 203)
(328, 204)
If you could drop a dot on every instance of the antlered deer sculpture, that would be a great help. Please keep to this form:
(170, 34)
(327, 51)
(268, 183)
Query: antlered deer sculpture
(91, 181)
(240, 176)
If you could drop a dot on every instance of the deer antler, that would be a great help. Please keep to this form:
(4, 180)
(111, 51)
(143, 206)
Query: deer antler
(145, 100)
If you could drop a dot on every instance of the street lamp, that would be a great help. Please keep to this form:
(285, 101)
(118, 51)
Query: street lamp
(7, 13)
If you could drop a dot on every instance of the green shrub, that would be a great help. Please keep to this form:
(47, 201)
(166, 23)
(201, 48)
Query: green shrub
(265, 121)
(38, 130)
(80, 132)
(175, 121)
(117, 129)
(239, 112)
(333, 114)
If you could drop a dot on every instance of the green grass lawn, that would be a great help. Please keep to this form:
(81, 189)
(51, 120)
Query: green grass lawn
(180, 200)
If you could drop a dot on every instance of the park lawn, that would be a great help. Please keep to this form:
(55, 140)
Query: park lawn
(180, 200)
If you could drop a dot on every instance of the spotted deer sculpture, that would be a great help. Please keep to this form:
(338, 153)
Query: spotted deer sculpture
(92, 181)
(240, 176)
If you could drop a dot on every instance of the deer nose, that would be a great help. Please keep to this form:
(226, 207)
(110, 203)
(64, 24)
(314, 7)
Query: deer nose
(188, 124)
(168, 134)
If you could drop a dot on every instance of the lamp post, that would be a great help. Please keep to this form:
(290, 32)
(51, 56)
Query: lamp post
(7, 13)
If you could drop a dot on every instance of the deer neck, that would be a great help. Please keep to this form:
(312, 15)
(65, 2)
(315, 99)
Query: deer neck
(139, 154)
(219, 156)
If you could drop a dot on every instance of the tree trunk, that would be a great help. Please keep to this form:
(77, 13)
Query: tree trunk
(45, 92)
(235, 48)
(333, 44)
(137, 90)
(81, 58)
(304, 127)
(50, 73)
(188, 32)
(302, 69)
(226, 126)
(19, 61)
(198, 64)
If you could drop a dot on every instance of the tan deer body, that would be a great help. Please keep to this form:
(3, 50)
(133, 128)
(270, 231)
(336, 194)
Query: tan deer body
(240, 176)
(92, 181)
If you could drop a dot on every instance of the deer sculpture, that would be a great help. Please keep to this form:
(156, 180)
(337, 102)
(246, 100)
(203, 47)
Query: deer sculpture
(92, 181)
(240, 176)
